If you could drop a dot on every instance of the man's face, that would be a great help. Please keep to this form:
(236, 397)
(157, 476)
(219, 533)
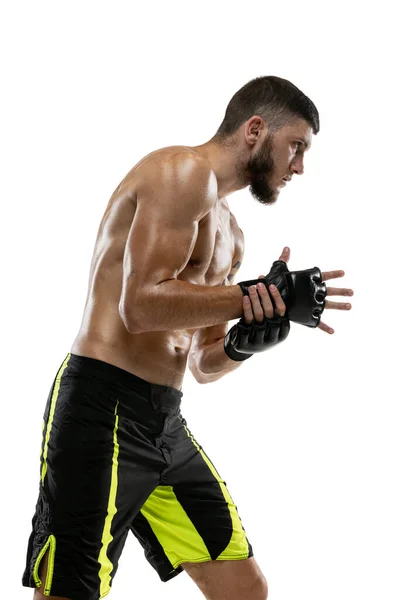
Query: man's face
(280, 155)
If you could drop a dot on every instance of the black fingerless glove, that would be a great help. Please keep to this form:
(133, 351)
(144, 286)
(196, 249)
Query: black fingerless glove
(243, 340)
(303, 292)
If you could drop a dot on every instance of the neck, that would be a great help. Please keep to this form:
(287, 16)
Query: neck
(224, 163)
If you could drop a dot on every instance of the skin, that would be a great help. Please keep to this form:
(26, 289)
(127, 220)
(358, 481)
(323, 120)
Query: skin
(160, 297)
(161, 288)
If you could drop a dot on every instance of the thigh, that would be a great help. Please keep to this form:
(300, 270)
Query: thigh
(192, 517)
(89, 491)
(229, 580)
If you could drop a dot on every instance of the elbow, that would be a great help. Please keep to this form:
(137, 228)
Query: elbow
(134, 310)
(208, 379)
(130, 326)
(197, 373)
(132, 319)
(204, 377)
(204, 380)
(200, 378)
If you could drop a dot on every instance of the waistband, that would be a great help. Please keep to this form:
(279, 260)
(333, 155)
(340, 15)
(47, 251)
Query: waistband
(160, 396)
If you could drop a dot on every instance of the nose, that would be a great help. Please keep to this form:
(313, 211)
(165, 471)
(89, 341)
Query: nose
(298, 166)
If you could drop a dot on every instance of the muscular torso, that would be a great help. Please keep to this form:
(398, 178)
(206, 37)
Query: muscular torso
(158, 356)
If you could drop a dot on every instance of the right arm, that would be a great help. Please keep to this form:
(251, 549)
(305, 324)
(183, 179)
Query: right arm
(160, 243)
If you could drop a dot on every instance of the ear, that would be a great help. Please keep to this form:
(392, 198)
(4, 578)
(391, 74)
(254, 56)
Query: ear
(253, 129)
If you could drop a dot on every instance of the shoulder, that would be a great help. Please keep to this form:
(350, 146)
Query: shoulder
(179, 164)
(180, 172)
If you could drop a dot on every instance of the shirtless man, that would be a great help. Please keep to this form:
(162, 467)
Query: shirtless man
(117, 454)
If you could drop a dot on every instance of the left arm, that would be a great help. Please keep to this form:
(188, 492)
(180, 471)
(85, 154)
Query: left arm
(208, 360)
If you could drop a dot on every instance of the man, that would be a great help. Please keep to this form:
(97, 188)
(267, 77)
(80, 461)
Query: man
(117, 454)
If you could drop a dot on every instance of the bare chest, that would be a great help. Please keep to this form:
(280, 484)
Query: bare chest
(219, 243)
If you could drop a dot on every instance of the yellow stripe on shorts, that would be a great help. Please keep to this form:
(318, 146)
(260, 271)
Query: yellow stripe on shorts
(106, 539)
(238, 544)
(54, 399)
(165, 514)
(51, 542)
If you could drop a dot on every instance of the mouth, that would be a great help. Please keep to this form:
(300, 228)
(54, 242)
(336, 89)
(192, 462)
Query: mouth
(285, 180)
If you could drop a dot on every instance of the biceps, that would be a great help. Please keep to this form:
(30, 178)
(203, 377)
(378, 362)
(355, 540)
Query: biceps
(156, 252)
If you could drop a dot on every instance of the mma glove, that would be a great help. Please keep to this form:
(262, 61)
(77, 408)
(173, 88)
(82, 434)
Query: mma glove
(303, 293)
(243, 339)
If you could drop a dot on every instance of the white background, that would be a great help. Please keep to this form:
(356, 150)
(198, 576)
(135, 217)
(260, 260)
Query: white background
(306, 436)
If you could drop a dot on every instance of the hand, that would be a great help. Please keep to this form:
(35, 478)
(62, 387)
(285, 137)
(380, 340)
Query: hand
(331, 291)
(260, 303)
(259, 329)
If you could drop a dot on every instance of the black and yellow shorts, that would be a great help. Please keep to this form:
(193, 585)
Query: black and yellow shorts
(117, 456)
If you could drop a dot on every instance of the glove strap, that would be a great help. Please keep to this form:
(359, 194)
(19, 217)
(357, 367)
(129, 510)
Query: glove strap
(244, 285)
(232, 353)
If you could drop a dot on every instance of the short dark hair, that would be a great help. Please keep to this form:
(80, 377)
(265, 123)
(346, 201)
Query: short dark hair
(276, 100)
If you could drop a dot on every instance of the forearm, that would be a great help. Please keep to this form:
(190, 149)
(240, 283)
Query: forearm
(212, 363)
(176, 304)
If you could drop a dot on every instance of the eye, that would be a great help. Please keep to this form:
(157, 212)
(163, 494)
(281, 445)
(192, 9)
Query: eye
(298, 144)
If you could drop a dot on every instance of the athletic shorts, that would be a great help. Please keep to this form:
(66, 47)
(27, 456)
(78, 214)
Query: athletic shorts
(117, 456)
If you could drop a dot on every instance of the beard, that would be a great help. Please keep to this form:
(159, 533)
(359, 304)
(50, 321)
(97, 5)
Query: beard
(258, 170)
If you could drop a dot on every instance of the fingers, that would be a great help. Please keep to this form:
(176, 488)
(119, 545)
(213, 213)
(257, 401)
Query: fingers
(260, 304)
(338, 305)
(247, 310)
(257, 306)
(285, 256)
(331, 275)
(325, 327)
(280, 307)
(331, 291)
